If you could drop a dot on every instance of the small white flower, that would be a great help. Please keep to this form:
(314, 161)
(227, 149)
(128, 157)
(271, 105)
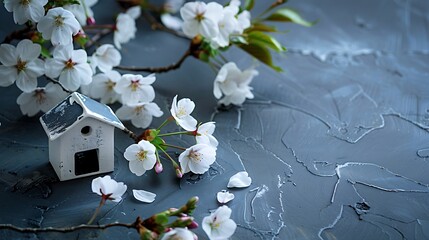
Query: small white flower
(205, 134)
(243, 21)
(59, 25)
(224, 196)
(144, 196)
(140, 114)
(82, 11)
(171, 22)
(21, 64)
(141, 157)
(197, 158)
(24, 10)
(135, 88)
(219, 225)
(233, 84)
(106, 57)
(228, 25)
(40, 99)
(126, 29)
(201, 18)
(181, 111)
(70, 66)
(240, 180)
(108, 188)
(102, 87)
(178, 234)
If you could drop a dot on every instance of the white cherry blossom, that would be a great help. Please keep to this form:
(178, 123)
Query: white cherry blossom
(240, 180)
(243, 21)
(82, 11)
(181, 111)
(108, 188)
(135, 88)
(105, 58)
(23, 11)
(178, 234)
(125, 28)
(21, 64)
(141, 157)
(219, 225)
(224, 196)
(197, 158)
(40, 99)
(227, 25)
(201, 18)
(59, 25)
(144, 196)
(205, 134)
(140, 114)
(102, 87)
(233, 84)
(70, 66)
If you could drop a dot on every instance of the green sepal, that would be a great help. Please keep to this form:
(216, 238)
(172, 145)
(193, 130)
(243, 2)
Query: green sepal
(45, 52)
(288, 15)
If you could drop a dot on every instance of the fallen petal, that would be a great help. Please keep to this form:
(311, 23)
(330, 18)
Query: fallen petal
(224, 196)
(240, 180)
(144, 196)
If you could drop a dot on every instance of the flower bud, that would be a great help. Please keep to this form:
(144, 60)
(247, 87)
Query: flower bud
(158, 167)
(193, 225)
(90, 20)
(179, 173)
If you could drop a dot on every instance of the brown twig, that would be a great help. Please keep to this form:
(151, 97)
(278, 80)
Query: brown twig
(61, 85)
(18, 34)
(155, 25)
(131, 134)
(157, 69)
(68, 229)
(98, 36)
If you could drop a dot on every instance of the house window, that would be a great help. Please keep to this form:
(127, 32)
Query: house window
(86, 130)
(86, 162)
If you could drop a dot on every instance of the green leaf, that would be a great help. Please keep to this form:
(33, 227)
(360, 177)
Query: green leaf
(248, 4)
(260, 52)
(288, 15)
(261, 27)
(266, 40)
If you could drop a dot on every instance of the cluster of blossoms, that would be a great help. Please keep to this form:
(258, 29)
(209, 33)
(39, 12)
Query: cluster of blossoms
(145, 155)
(218, 225)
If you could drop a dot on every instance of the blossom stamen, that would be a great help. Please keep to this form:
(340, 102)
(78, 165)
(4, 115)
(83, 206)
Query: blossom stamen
(39, 94)
(24, 2)
(58, 21)
(20, 65)
(69, 64)
(195, 156)
(134, 85)
(141, 155)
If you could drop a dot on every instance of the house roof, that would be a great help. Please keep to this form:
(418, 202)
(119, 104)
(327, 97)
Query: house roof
(74, 109)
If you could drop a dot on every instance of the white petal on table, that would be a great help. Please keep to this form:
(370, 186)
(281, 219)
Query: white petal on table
(240, 180)
(144, 196)
(224, 196)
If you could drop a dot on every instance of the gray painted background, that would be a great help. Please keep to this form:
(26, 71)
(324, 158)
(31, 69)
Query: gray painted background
(337, 145)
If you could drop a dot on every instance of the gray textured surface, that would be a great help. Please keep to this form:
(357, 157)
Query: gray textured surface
(337, 145)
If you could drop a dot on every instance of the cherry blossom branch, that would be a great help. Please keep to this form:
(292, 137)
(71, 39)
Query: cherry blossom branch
(131, 134)
(98, 36)
(157, 69)
(57, 82)
(69, 229)
(18, 34)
